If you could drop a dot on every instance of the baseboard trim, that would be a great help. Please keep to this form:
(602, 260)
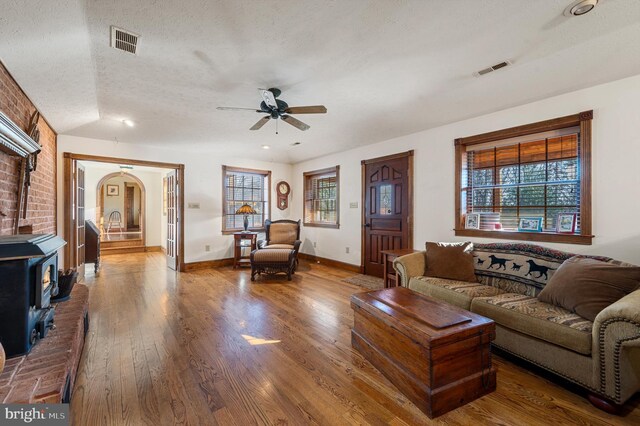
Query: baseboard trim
(207, 264)
(125, 250)
(330, 262)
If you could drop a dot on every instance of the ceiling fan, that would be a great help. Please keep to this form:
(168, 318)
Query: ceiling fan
(277, 108)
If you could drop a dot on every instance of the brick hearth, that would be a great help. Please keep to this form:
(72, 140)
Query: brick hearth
(41, 375)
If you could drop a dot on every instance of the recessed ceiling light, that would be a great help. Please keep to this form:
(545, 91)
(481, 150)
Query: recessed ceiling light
(128, 122)
(265, 147)
(580, 7)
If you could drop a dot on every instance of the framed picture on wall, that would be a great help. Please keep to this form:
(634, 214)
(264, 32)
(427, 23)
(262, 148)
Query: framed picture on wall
(113, 190)
(530, 224)
(472, 221)
(566, 223)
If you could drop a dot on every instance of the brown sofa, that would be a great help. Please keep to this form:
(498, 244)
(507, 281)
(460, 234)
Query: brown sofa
(602, 356)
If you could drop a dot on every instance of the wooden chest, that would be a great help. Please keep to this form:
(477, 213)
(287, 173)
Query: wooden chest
(436, 354)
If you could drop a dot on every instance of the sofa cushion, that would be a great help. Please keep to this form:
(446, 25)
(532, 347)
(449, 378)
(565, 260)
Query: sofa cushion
(452, 261)
(530, 316)
(270, 256)
(283, 233)
(587, 286)
(279, 246)
(458, 293)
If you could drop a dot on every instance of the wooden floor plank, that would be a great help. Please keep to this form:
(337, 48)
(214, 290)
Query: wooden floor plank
(212, 347)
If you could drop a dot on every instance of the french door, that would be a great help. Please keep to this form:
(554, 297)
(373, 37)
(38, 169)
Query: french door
(172, 220)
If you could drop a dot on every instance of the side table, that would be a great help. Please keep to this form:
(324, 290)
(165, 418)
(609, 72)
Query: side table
(243, 240)
(389, 275)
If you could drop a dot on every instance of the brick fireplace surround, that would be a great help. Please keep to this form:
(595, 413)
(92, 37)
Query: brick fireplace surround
(41, 208)
(47, 374)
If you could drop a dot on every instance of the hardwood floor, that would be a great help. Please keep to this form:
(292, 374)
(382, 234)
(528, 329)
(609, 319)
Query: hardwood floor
(211, 347)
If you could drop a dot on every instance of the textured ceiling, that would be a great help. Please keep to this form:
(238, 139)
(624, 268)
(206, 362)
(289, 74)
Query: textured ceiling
(383, 68)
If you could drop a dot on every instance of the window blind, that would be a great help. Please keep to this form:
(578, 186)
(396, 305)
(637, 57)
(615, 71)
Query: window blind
(321, 199)
(245, 188)
(536, 176)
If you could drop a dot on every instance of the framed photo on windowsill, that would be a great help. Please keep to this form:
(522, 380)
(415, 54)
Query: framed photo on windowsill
(566, 223)
(472, 221)
(530, 224)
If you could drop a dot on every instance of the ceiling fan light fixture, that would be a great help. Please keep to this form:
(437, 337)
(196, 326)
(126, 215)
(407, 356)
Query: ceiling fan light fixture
(279, 109)
(580, 7)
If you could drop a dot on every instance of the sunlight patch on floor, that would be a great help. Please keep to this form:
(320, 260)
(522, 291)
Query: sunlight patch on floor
(255, 341)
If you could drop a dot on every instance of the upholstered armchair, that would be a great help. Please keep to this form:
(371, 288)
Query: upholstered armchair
(281, 234)
(279, 251)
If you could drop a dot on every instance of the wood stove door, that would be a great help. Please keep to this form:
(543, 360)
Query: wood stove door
(80, 218)
(172, 219)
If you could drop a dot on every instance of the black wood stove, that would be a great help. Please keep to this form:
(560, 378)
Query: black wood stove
(28, 280)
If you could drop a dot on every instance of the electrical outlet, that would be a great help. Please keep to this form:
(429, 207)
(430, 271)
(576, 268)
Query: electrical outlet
(353, 205)
(314, 244)
(193, 205)
(207, 248)
(346, 250)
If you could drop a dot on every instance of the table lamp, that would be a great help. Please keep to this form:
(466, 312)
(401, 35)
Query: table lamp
(246, 210)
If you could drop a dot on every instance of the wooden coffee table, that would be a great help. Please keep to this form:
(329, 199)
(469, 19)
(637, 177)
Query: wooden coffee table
(436, 354)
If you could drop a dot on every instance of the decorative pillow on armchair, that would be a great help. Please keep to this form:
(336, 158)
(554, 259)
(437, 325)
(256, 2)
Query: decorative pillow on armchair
(587, 286)
(452, 261)
(283, 233)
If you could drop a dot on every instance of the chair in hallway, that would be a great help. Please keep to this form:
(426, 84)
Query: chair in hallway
(115, 218)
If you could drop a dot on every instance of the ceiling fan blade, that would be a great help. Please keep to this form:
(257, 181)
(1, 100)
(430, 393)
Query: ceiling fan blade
(237, 109)
(295, 122)
(268, 98)
(313, 109)
(261, 123)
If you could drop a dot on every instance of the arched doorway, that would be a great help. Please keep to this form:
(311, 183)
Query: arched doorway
(120, 210)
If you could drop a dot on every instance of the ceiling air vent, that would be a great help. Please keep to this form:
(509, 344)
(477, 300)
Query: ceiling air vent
(124, 40)
(492, 68)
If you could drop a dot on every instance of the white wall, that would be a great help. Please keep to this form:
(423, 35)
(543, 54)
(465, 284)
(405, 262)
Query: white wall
(616, 175)
(152, 182)
(203, 184)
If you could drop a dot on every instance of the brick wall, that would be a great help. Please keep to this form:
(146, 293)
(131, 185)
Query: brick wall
(41, 212)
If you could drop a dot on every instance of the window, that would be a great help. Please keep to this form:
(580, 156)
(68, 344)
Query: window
(245, 186)
(321, 198)
(535, 171)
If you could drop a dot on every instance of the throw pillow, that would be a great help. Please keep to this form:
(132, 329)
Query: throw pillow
(587, 286)
(452, 261)
(282, 233)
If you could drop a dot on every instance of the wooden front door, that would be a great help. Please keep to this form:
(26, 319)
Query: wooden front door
(387, 208)
(80, 218)
(172, 220)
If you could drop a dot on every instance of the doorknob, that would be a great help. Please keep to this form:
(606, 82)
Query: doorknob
(367, 225)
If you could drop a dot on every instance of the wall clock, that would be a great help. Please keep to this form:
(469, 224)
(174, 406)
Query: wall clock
(283, 189)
